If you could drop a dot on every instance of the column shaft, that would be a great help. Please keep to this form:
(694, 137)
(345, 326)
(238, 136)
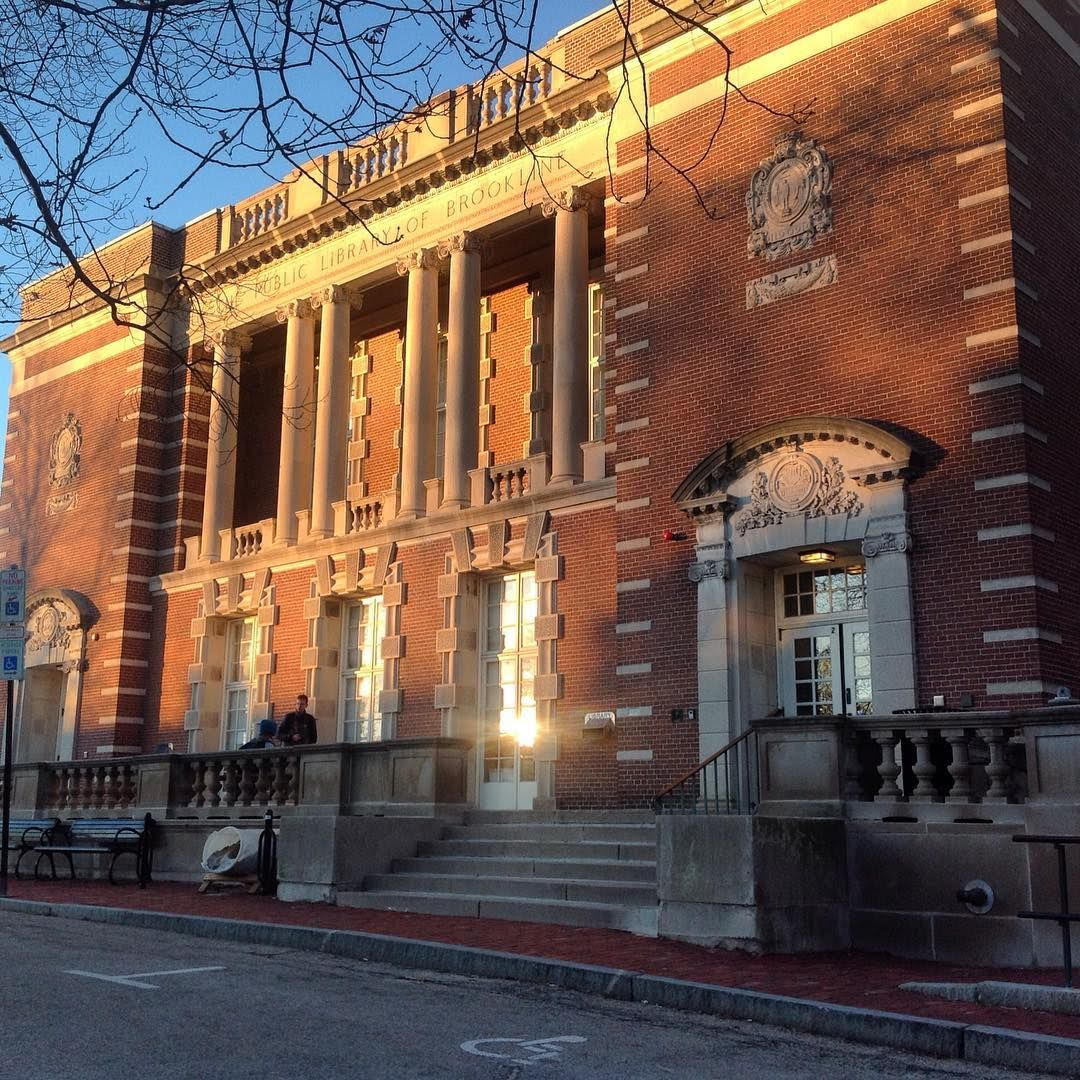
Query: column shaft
(297, 418)
(421, 352)
(462, 371)
(570, 341)
(221, 444)
(332, 410)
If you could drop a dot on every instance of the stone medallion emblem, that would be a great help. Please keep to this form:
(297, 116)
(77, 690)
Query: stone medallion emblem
(46, 626)
(799, 483)
(788, 204)
(794, 482)
(64, 456)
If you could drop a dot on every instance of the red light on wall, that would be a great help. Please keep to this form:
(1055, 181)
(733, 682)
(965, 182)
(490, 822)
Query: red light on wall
(672, 534)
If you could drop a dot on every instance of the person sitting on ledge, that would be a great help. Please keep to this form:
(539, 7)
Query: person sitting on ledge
(298, 727)
(265, 738)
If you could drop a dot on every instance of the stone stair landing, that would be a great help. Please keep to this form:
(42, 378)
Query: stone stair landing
(575, 869)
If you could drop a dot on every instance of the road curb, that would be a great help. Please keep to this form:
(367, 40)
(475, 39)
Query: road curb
(917, 1034)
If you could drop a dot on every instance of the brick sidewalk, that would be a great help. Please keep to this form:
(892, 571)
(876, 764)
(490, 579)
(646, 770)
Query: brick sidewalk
(866, 980)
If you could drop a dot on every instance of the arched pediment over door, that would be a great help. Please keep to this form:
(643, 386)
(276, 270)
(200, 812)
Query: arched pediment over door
(46, 712)
(828, 487)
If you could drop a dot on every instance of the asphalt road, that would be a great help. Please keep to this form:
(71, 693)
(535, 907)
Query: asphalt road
(267, 1013)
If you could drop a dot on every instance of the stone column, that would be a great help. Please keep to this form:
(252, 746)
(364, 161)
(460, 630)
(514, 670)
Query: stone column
(462, 369)
(297, 417)
(221, 440)
(570, 344)
(421, 358)
(331, 408)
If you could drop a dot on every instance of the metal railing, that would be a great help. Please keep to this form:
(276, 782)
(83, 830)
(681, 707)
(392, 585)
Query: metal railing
(1064, 918)
(725, 783)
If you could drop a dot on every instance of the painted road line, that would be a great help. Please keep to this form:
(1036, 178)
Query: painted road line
(136, 979)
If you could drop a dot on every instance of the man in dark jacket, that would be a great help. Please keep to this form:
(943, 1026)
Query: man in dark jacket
(298, 727)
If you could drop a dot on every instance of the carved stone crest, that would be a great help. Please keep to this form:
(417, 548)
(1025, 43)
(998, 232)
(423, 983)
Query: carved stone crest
(799, 483)
(717, 568)
(47, 626)
(788, 204)
(65, 451)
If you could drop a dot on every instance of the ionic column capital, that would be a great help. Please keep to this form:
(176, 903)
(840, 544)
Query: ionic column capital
(570, 199)
(422, 259)
(460, 242)
(338, 294)
(227, 340)
(295, 309)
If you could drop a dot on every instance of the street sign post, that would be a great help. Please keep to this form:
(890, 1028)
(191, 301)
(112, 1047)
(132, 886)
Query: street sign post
(12, 651)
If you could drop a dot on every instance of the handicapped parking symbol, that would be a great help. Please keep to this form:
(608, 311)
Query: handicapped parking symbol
(11, 663)
(528, 1051)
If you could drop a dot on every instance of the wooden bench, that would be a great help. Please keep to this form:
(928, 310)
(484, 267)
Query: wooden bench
(95, 836)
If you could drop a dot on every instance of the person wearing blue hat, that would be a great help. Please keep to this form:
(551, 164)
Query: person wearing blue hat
(265, 737)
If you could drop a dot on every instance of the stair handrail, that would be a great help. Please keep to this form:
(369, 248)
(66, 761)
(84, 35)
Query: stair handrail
(742, 797)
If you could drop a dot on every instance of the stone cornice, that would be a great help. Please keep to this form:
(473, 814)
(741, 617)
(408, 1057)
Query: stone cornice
(442, 523)
(496, 143)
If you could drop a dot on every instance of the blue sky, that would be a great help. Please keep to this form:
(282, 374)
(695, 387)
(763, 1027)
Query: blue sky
(222, 186)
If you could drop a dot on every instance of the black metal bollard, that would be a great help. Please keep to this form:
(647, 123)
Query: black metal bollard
(268, 857)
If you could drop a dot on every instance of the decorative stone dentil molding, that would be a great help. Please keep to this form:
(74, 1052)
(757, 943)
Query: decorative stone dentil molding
(64, 454)
(885, 542)
(295, 309)
(422, 259)
(799, 483)
(805, 277)
(788, 204)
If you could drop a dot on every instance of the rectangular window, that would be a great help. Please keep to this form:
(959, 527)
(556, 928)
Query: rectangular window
(509, 663)
(596, 363)
(239, 687)
(440, 409)
(362, 670)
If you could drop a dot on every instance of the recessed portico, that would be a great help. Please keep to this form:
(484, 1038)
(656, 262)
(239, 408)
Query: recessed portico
(777, 631)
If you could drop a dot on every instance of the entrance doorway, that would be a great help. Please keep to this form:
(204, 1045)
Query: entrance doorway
(824, 634)
(508, 665)
(43, 735)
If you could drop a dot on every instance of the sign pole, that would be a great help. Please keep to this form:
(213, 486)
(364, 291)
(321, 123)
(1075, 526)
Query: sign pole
(9, 723)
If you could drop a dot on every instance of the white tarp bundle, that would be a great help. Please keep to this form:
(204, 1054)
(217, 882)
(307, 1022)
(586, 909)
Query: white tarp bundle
(232, 851)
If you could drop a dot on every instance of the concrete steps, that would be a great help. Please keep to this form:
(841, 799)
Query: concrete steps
(587, 869)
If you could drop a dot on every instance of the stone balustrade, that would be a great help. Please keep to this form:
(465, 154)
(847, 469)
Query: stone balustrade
(513, 480)
(260, 214)
(244, 540)
(908, 764)
(413, 777)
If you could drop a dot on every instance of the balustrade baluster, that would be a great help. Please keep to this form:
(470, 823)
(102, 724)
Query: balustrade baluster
(198, 783)
(960, 766)
(997, 769)
(247, 781)
(57, 788)
(280, 786)
(71, 795)
(923, 768)
(292, 780)
(212, 783)
(888, 769)
(86, 784)
(853, 778)
(263, 780)
(108, 786)
(230, 769)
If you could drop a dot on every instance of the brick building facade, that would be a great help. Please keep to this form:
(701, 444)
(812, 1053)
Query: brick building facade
(785, 429)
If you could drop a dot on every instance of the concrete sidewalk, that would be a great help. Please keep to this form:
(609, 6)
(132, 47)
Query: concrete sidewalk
(794, 991)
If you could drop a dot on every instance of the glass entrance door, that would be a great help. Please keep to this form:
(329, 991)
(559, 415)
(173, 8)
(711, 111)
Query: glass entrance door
(508, 699)
(824, 667)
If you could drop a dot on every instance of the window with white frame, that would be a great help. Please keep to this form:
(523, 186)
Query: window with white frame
(364, 627)
(239, 689)
(596, 363)
(509, 663)
(440, 408)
